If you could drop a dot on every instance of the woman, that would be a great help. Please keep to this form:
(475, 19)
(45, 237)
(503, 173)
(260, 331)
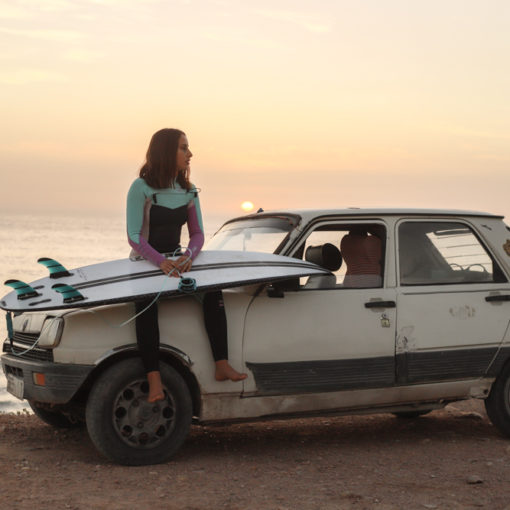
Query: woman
(159, 202)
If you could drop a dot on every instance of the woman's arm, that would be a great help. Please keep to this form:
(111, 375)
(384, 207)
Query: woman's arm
(195, 229)
(134, 215)
(196, 237)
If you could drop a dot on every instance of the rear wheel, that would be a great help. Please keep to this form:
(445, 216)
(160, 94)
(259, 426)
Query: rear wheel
(497, 404)
(129, 430)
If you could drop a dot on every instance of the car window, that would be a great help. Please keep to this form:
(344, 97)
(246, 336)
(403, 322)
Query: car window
(353, 253)
(264, 234)
(443, 253)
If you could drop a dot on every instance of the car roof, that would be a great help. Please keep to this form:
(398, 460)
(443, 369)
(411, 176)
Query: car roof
(308, 214)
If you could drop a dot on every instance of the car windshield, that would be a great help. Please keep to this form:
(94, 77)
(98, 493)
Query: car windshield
(264, 234)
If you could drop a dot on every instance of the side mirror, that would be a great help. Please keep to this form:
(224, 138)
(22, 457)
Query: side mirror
(277, 289)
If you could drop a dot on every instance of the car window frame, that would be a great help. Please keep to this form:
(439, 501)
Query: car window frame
(297, 247)
(461, 221)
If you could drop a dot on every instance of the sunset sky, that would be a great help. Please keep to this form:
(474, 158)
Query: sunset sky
(286, 103)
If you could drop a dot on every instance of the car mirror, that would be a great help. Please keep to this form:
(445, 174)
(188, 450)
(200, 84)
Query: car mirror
(277, 289)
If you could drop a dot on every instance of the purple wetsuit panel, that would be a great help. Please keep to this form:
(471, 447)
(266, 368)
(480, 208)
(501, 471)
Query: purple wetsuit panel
(196, 235)
(147, 251)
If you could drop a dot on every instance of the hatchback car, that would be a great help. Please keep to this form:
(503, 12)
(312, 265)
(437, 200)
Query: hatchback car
(414, 314)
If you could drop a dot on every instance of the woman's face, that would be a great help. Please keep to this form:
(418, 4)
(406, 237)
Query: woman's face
(183, 154)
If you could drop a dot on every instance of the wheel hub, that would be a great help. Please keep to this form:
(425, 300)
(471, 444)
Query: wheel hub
(141, 424)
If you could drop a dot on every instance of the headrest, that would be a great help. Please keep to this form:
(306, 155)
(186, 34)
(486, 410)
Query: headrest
(325, 255)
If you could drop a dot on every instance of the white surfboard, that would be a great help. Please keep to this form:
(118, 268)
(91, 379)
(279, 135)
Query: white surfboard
(126, 280)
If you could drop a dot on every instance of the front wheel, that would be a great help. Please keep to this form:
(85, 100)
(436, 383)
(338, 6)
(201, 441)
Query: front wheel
(497, 404)
(129, 430)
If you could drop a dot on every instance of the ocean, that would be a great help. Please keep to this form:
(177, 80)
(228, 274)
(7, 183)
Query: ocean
(74, 240)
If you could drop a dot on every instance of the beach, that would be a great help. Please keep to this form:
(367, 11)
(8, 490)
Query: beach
(450, 459)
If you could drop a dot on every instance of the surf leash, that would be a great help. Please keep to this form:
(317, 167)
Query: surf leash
(186, 285)
(10, 336)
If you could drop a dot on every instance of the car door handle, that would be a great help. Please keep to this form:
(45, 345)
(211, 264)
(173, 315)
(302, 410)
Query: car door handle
(503, 297)
(381, 304)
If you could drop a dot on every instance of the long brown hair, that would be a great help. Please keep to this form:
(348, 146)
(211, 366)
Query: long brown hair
(160, 167)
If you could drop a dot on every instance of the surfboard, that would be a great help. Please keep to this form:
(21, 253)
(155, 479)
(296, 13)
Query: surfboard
(125, 280)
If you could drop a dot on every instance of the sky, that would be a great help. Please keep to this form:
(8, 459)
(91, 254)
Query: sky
(286, 103)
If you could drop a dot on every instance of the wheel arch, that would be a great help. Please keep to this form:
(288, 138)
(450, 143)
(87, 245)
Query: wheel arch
(499, 363)
(177, 359)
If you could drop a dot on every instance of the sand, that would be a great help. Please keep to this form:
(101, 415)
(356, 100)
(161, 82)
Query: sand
(449, 459)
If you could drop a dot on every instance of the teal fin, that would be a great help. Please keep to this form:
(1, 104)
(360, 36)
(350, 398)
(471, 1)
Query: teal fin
(56, 269)
(23, 290)
(69, 293)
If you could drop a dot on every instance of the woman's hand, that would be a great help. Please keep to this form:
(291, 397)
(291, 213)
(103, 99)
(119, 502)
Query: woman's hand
(181, 265)
(184, 263)
(168, 266)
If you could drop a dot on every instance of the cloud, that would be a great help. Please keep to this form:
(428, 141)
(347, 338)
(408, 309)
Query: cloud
(494, 135)
(18, 9)
(303, 20)
(240, 39)
(123, 3)
(82, 55)
(12, 12)
(25, 76)
(48, 35)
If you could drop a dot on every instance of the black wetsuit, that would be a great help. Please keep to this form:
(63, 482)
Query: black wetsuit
(165, 225)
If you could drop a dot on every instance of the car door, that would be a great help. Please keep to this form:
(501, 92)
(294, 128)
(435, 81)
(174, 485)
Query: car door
(448, 327)
(323, 336)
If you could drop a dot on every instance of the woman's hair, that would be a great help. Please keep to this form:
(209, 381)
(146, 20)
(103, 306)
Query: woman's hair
(160, 168)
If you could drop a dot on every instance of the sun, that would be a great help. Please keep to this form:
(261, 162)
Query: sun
(247, 206)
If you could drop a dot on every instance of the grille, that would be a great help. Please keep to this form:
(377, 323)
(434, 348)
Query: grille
(23, 341)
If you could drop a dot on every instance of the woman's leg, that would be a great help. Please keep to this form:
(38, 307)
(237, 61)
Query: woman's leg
(216, 327)
(147, 337)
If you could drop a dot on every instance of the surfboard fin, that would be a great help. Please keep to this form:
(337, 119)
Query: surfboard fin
(56, 269)
(69, 293)
(23, 290)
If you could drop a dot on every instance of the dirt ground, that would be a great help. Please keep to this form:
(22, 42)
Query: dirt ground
(449, 459)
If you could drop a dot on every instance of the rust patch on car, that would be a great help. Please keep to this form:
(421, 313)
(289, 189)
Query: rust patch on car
(506, 247)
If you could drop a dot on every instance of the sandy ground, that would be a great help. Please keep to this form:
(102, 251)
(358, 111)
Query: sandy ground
(449, 459)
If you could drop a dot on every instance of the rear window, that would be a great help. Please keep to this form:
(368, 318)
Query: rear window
(444, 253)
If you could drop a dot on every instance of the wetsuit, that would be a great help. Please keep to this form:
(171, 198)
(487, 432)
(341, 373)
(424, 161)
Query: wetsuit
(154, 222)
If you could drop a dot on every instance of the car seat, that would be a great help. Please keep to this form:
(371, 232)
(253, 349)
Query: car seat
(362, 254)
(327, 256)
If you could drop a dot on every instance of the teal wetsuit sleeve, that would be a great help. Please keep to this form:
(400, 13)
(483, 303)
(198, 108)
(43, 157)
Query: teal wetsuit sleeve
(135, 210)
(134, 215)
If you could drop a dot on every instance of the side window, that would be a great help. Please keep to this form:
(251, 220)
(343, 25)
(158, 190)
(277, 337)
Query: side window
(443, 253)
(354, 253)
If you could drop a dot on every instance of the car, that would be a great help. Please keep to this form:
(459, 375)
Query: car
(413, 314)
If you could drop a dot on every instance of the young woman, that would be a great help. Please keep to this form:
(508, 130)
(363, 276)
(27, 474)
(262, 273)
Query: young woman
(159, 202)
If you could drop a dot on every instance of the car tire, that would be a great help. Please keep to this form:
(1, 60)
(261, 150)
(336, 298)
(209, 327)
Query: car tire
(56, 419)
(497, 404)
(409, 415)
(125, 427)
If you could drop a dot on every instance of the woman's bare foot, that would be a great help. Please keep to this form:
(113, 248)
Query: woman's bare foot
(224, 372)
(156, 392)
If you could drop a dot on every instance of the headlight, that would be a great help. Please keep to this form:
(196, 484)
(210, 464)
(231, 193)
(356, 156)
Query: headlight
(51, 332)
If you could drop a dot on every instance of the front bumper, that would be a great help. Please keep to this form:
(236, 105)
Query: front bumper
(61, 381)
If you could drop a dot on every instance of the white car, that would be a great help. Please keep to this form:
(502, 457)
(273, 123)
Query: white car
(414, 314)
